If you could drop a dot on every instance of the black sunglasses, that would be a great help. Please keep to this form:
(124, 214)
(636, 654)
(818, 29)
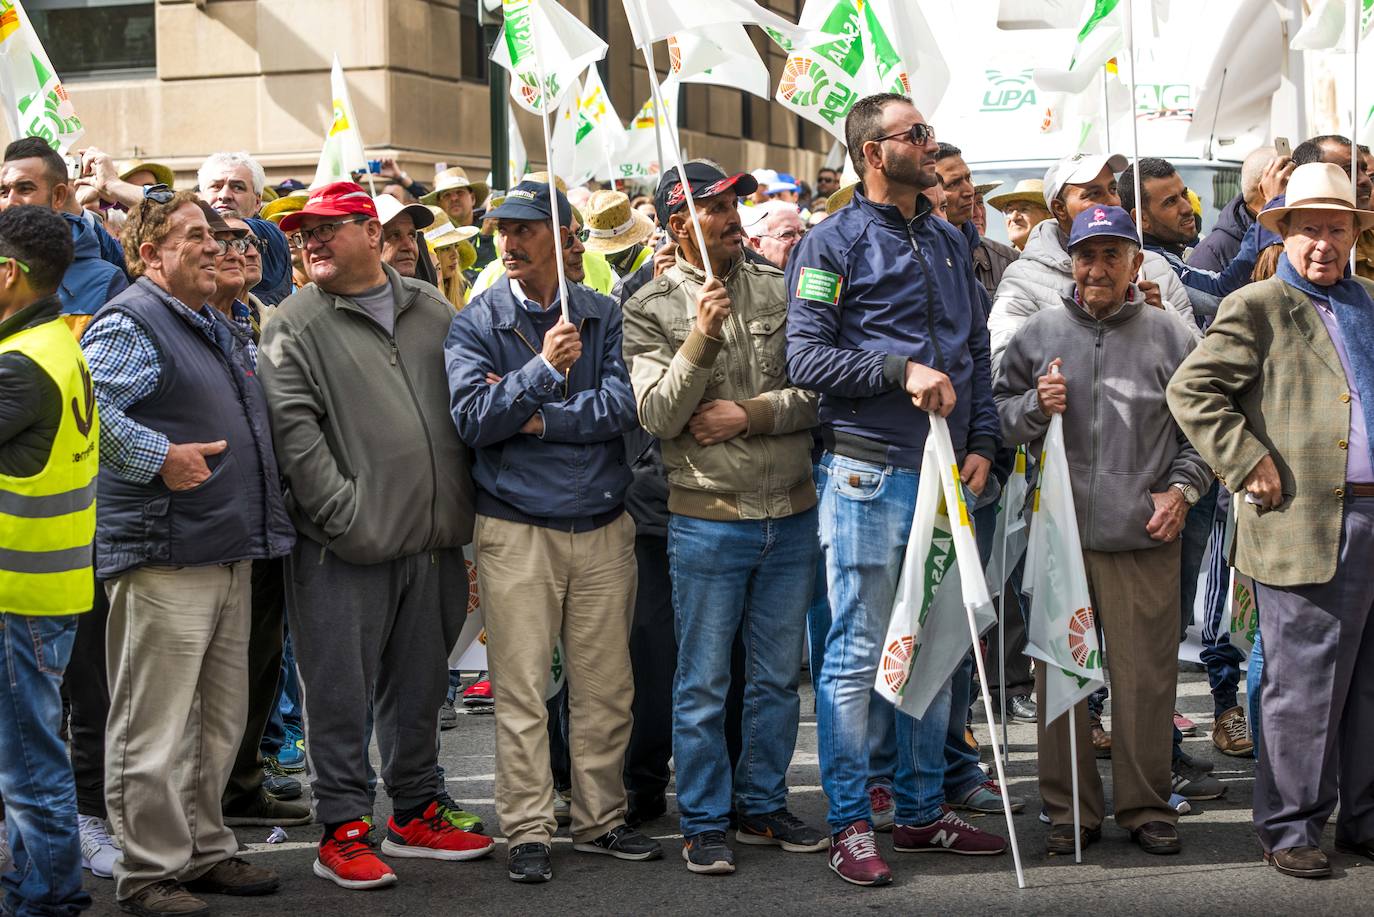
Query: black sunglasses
(917, 135)
(158, 194)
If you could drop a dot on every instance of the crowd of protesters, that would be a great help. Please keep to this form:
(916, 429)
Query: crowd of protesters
(247, 432)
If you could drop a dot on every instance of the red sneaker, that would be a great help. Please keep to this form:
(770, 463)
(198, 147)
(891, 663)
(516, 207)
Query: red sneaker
(478, 695)
(1184, 725)
(854, 856)
(883, 806)
(948, 834)
(433, 837)
(347, 861)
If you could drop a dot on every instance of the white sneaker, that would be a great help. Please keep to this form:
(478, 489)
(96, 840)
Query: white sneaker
(562, 807)
(98, 851)
(5, 856)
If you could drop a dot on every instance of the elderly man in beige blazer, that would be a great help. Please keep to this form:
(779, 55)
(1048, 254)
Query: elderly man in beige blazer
(1278, 398)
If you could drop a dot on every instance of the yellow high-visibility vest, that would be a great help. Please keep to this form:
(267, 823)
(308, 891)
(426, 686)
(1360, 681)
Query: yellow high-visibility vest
(47, 521)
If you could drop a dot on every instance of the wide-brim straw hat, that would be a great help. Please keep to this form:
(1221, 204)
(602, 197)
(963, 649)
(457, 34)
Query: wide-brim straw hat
(448, 234)
(284, 205)
(1317, 186)
(985, 188)
(453, 178)
(162, 173)
(1027, 191)
(840, 198)
(612, 225)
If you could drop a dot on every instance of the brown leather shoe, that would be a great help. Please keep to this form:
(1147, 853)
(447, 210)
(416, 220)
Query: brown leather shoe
(1300, 862)
(1158, 837)
(1357, 848)
(1231, 735)
(235, 876)
(165, 899)
(1101, 738)
(1060, 841)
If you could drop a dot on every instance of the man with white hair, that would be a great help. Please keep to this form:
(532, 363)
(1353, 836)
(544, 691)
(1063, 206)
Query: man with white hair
(1222, 244)
(772, 229)
(232, 183)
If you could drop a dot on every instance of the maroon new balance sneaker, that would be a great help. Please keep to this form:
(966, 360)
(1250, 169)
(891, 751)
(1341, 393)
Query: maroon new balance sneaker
(854, 856)
(947, 834)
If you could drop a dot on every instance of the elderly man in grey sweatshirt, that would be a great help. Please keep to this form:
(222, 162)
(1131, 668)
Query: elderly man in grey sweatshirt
(1134, 477)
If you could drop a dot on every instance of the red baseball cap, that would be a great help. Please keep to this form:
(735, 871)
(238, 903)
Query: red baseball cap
(336, 199)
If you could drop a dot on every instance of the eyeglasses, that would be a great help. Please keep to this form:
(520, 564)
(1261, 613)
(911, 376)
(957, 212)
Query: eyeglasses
(237, 245)
(22, 266)
(582, 235)
(257, 243)
(916, 135)
(159, 194)
(787, 235)
(324, 232)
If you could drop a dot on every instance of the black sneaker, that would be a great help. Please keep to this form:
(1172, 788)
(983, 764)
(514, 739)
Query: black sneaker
(1194, 784)
(280, 786)
(623, 843)
(708, 854)
(530, 863)
(781, 829)
(1021, 708)
(1198, 764)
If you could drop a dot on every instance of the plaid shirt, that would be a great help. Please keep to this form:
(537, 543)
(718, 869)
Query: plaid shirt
(125, 368)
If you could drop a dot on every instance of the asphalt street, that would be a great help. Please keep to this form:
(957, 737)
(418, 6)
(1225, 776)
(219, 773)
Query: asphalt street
(1218, 872)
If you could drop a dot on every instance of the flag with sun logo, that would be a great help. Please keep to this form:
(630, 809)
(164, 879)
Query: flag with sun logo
(856, 48)
(342, 154)
(1061, 632)
(36, 104)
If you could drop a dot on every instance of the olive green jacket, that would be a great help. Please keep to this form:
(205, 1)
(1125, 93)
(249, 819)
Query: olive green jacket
(1266, 379)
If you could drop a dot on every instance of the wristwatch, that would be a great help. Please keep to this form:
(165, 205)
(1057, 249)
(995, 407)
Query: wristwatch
(1189, 492)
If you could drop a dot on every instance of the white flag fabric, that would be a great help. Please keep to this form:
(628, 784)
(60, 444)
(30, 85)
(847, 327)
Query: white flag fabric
(1012, 533)
(1237, 93)
(1242, 612)
(1328, 24)
(720, 56)
(36, 104)
(343, 144)
(655, 20)
(927, 633)
(588, 138)
(639, 159)
(1062, 632)
(541, 35)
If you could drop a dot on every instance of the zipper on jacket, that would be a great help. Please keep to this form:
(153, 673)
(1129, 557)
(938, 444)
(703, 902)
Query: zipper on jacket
(930, 302)
(429, 440)
(1097, 432)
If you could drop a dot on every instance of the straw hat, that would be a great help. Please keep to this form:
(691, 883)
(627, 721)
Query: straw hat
(612, 225)
(840, 198)
(389, 208)
(284, 205)
(163, 174)
(447, 234)
(1317, 186)
(453, 178)
(984, 187)
(1027, 191)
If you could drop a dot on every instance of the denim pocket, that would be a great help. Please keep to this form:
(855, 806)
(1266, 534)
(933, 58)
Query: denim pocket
(858, 481)
(52, 642)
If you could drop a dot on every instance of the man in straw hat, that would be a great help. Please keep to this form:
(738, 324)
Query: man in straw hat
(461, 199)
(1277, 398)
(400, 246)
(617, 232)
(1023, 208)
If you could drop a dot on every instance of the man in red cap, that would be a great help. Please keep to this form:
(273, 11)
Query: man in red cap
(380, 493)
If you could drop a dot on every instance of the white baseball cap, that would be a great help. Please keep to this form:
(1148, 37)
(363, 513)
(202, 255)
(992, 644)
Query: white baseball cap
(1079, 169)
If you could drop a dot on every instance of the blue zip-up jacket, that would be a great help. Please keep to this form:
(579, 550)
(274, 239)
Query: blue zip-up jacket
(275, 284)
(577, 470)
(91, 281)
(901, 291)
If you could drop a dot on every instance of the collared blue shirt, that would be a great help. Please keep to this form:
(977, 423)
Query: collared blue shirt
(531, 306)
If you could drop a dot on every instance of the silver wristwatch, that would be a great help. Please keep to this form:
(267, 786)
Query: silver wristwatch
(1189, 492)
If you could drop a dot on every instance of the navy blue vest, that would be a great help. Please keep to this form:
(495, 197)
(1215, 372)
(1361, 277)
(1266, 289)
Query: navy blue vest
(207, 391)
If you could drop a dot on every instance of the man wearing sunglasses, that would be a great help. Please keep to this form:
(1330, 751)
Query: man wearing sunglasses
(380, 492)
(886, 323)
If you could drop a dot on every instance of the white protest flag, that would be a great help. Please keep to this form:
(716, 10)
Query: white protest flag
(1009, 540)
(1327, 26)
(655, 20)
(639, 158)
(1243, 613)
(565, 46)
(588, 137)
(1236, 94)
(36, 104)
(343, 144)
(720, 56)
(1061, 632)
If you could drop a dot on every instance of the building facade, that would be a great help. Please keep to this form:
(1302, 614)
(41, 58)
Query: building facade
(173, 80)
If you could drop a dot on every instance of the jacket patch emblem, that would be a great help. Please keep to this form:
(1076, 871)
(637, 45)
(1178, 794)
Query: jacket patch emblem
(85, 420)
(820, 286)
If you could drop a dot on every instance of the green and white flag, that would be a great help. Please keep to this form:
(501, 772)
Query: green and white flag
(1062, 632)
(1012, 533)
(540, 36)
(1328, 25)
(720, 56)
(343, 153)
(927, 633)
(36, 104)
(1243, 612)
(639, 159)
(588, 137)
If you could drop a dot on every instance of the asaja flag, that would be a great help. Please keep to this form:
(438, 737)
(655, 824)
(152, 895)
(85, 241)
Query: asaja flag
(1328, 25)
(927, 634)
(1062, 632)
(36, 104)
(655, 20)
(639, 159)
(343, 143)
(588, 137)
(721, 56)
(539, 37)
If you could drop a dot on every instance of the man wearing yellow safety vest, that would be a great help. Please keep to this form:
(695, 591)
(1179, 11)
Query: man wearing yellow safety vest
(49, 455)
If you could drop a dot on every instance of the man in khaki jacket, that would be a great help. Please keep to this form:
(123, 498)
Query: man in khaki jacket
(708, 365)
(1277, 397)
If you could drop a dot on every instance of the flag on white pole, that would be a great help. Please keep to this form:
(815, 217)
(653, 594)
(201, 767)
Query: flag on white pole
(589, 136)
(566, 48)
(343, 143)
(1327, 25)
(36, 104)
(1012, 533)
(639, 158)
(1062, 631)
(1237, 93)
(655, 20)
(721, 56)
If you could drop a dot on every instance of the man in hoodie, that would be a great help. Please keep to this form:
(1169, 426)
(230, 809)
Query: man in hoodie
(1131, 508)
(34, 173)
(1219, 246)
(1044, 273)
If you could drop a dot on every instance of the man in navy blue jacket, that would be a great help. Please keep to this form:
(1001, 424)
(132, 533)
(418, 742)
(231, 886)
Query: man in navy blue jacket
(885, 322)
(545, 402)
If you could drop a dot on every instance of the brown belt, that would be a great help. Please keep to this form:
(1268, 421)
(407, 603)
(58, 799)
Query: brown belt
(1360, 490)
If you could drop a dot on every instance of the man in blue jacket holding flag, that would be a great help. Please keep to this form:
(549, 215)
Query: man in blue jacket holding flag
(885, 322)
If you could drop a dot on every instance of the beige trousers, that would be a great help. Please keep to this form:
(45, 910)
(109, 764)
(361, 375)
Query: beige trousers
(177, 648)
(537, 584)
(1136, 596)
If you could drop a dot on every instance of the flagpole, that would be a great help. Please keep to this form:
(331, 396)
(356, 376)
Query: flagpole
(682, 167)
(1135, 131)
(1073, 771)
(1354, 99)
(553, 188)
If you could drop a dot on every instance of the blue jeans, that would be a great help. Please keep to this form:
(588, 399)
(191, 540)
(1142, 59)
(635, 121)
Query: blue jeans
(865, 519)
(1253, 673)
(758, 575)
(35, 775)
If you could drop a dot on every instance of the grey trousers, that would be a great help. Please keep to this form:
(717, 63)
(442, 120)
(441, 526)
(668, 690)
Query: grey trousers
(391, 625)
(1317, 698)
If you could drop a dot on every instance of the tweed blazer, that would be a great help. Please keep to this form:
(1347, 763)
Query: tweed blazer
(1266, 379)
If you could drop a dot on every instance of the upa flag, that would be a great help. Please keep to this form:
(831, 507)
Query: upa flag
(539, 36)
(927, 633)
(639, 159)
(1062, 632)
(36, 104)
(721, 56)
(343, 144)
(588, 136)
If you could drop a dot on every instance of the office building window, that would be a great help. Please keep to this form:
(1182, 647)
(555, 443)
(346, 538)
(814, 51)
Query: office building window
(93, 38)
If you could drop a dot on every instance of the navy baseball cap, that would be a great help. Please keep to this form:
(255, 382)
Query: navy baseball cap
(529, 200)
(706, 181)
(1096, 222)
